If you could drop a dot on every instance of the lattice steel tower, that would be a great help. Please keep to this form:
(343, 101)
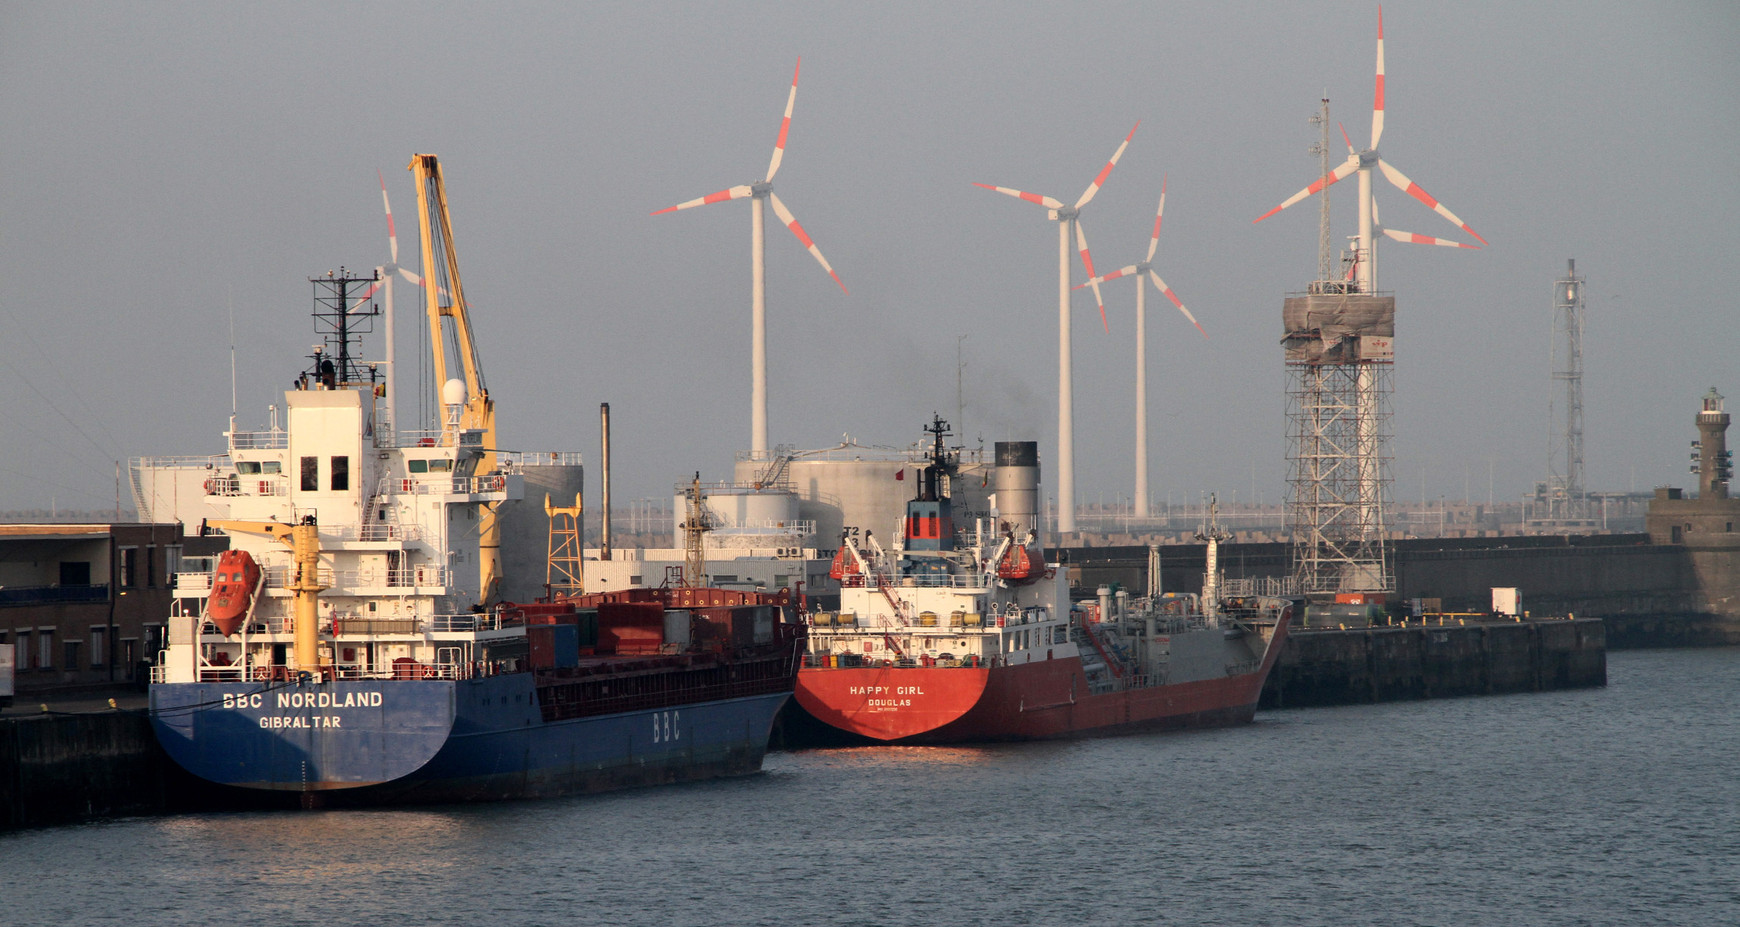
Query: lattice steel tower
(1565, 455)
(1340, 358)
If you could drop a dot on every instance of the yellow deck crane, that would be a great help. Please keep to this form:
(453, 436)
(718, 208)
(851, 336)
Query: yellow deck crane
(303, 539)
(444, 298)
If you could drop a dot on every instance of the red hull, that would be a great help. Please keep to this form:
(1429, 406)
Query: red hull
(1032, 701)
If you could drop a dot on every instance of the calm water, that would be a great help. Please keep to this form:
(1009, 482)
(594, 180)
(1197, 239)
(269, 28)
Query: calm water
(1609, 806)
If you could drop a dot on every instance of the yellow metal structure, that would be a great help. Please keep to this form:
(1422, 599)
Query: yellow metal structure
(444, 298)
(565, 572)
(304, 541)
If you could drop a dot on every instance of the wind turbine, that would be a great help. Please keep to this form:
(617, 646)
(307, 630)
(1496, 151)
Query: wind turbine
(1142, 270)
(760, 193)
(384, 284)
(1068, 219)
(1365, 260)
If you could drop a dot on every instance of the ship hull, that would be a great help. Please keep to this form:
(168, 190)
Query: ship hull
(388, 741)
(1040, 700)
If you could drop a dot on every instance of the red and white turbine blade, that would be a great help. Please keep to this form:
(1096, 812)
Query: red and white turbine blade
(1120, 272)
(803, 237)
(1344, 138)
(1100, 180)
(363, 300)
(417, 281)
(1154, 239)
(1416, 239)
(731, 193)
(1377, 98)
(1175, 301)
(784, 126)
(1414, 190)
(1087, 261)
(1347, 167)
(392, 235)
(1041, 199)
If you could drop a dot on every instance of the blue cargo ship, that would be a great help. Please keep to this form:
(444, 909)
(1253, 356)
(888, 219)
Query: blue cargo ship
(350, 644)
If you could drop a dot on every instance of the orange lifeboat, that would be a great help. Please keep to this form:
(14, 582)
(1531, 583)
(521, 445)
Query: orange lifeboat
(232, 590)
(1020, 564)
(842, 564)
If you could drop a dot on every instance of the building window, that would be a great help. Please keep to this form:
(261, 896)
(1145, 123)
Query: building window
(24, 656)
(151, 566)
(171, 561)
(72, 655)
(99, 652)
(310, 474)
(129, 564)
(340, 474)
(45, 648)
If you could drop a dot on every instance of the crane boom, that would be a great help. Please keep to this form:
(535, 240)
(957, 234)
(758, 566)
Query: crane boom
(444, 297)
(303, 539)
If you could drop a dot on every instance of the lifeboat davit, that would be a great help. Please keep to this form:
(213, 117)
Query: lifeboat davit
(232, 590)
(1020, 565)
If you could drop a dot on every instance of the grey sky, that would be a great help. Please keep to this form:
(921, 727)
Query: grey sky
(163, 162)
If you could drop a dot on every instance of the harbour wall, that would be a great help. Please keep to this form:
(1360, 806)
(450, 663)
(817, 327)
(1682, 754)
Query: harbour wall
(1649, 595)
(1384, 664)
(62, 768)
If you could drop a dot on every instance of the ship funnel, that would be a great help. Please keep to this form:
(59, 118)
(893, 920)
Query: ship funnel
(1016, 483)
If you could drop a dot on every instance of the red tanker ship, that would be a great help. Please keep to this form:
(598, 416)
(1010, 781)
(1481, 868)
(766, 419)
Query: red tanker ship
(946, 640)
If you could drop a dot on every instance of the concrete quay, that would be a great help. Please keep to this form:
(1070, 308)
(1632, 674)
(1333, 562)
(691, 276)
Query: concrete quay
(1444, 660)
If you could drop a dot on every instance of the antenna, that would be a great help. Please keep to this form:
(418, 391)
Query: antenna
(232, 303)
(1325, 252)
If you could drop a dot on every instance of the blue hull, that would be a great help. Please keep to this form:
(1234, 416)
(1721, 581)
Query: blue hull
(431, 740)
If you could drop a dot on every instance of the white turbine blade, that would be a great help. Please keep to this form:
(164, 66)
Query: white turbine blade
(1154, 239)
(1087, 261)
(1100, 180)
(730, 193)
(785, 125)
(1038, 198)
(1175, 301)
(803, 237)
(1416, 239)
(1347, 167)
(1377, 98)
(1402, 183)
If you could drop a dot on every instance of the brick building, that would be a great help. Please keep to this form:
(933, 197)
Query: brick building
(85, 603)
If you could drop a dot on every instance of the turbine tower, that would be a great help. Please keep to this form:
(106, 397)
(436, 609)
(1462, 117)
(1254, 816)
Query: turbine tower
(1340, 355)
(758, 194)
(1145, 271)
(1069, 220)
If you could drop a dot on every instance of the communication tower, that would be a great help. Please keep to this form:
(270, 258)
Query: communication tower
(1565, 460)
(1340, 358)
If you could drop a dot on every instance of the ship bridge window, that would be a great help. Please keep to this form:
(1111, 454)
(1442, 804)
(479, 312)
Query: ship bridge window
(248, 467)
(310, 474)
(418, 466)
(340, 473)
(271, 466)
